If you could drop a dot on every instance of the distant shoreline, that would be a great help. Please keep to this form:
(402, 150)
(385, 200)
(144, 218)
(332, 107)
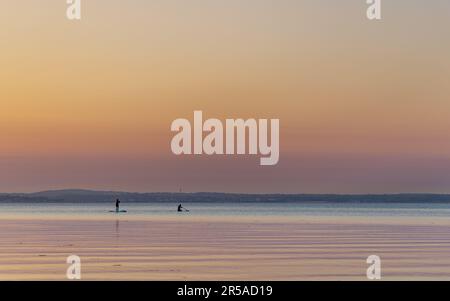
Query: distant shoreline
(93, 196)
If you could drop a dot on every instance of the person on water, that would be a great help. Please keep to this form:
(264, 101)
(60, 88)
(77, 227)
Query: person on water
(181, 208)
(117, 205)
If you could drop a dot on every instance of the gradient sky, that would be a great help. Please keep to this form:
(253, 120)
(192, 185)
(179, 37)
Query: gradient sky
(364, 106)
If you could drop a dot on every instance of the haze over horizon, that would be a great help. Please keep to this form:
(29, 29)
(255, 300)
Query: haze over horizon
(363, 106)
(107, 191)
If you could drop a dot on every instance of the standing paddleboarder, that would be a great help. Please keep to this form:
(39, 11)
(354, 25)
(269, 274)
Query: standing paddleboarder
(117, 205)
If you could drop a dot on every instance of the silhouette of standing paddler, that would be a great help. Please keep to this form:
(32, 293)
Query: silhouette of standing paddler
(117, 205)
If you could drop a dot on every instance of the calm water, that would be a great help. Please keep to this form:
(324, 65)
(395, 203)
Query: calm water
(231, 209)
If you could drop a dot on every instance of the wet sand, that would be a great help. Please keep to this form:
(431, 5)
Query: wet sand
(167, 248)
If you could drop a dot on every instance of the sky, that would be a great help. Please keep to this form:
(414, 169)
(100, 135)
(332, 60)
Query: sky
(363, 105)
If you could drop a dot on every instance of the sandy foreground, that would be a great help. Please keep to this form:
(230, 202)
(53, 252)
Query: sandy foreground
(247, 248)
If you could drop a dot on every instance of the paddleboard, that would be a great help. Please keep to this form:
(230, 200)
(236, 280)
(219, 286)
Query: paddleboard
(120, 211)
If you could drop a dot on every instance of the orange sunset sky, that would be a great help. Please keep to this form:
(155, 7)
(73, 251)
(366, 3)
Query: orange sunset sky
(364, 106)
